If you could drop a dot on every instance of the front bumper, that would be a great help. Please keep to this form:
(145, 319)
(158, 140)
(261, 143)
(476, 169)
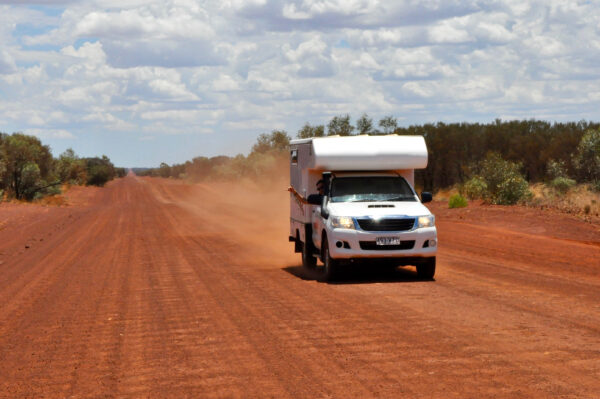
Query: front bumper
(346, 244)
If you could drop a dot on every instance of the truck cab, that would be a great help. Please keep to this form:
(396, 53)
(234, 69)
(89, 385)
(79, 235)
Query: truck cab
(370, 212)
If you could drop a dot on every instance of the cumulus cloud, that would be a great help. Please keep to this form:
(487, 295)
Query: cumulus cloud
(225, 83)
(51, 133)
(154, 67)
(312, 58)
(174, 54)
(172, 21)
(7, 63)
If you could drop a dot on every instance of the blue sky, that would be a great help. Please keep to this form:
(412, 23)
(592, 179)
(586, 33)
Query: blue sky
(146, 81)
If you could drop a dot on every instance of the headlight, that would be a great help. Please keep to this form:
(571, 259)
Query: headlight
(426, 221)
(342, 222)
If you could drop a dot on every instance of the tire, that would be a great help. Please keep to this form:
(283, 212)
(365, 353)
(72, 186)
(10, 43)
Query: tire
(308, 260)
(426, 270)
(330, 266)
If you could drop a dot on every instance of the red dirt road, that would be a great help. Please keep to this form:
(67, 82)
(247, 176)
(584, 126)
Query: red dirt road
(155, 288)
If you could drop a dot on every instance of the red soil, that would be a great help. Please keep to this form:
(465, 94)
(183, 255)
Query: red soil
(156, 288)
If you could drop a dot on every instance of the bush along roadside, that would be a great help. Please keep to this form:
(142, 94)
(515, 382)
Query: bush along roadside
(28, 170)
(457, 201)
(498, 182)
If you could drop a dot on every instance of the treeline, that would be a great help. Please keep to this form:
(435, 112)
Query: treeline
(268, 157)
(456, 151)
(536, 150)
(29, 171)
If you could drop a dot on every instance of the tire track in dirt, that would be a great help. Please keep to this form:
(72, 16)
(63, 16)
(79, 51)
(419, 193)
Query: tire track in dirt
(250, 290)
(152, 292)
(66, 291)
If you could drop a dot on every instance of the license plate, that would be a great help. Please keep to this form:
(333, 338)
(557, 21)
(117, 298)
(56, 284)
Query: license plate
(387, 241)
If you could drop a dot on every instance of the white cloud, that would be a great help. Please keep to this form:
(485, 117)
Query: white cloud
(447, 32)
(366, 61)
(7, 63)
(178, 114)
(50, 133)
(545, 46)
(311, 58)
(154, 67)
(144, 23)
(225, 83)
(171, 89)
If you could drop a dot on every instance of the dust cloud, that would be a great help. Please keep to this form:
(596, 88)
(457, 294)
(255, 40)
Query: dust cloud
(254, 216)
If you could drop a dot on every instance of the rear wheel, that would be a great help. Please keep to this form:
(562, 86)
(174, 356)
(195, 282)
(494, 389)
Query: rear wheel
(330, 266)
(308, 260)
(426, 270)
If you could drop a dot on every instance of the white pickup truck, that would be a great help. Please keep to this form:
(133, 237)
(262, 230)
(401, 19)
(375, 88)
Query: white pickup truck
(369, 211)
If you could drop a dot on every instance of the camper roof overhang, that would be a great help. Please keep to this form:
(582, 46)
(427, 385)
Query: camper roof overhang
(364, 152)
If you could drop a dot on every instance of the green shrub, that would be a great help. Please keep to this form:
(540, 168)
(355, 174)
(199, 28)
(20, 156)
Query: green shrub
(457, 201)
(99, 171)
(53, 190)
(505, 184)
(556, 169)
(70, 168)
(475, 188)
(587, 158)
(30, 180)
(511, 191)
(596, 186)
(562, 184)
(98, 175)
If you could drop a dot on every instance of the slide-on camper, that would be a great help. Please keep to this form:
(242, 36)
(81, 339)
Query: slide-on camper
(369, 212)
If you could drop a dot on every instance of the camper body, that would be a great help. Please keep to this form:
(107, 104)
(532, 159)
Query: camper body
(370, 212)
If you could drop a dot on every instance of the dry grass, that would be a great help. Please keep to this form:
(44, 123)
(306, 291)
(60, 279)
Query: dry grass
(53, 200)
(445, 194)
(579, 200)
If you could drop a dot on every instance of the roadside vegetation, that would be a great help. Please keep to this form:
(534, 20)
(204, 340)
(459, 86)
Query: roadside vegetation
(28, 171)
(457, 201)
(267, 159)
(497, 163)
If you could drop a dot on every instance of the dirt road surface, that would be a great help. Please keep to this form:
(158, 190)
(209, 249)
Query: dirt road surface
(155, 288)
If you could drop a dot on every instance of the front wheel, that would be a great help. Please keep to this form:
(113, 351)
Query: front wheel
(426, 269)
(330, 266)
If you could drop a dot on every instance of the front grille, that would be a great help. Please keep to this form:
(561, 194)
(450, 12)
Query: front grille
(391, 224)
(372, 246)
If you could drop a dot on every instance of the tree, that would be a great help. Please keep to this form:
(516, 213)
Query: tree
(364, 124)
(26, 163)
(308, 131)
(587, 158)
(388, 124)
(505, 184)
(340, 125)
(2, 166)
(71, 169)
(276, 141)
(99, 171)
(164, 170)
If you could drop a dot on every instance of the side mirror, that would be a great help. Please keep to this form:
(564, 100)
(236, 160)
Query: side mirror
(326, 176)
(426, 197)
(324, 210)
(314, 199)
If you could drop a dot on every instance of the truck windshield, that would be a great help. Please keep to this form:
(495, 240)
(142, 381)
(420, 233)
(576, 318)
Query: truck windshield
(371, 188)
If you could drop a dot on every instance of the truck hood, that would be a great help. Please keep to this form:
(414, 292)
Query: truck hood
(358, 209)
